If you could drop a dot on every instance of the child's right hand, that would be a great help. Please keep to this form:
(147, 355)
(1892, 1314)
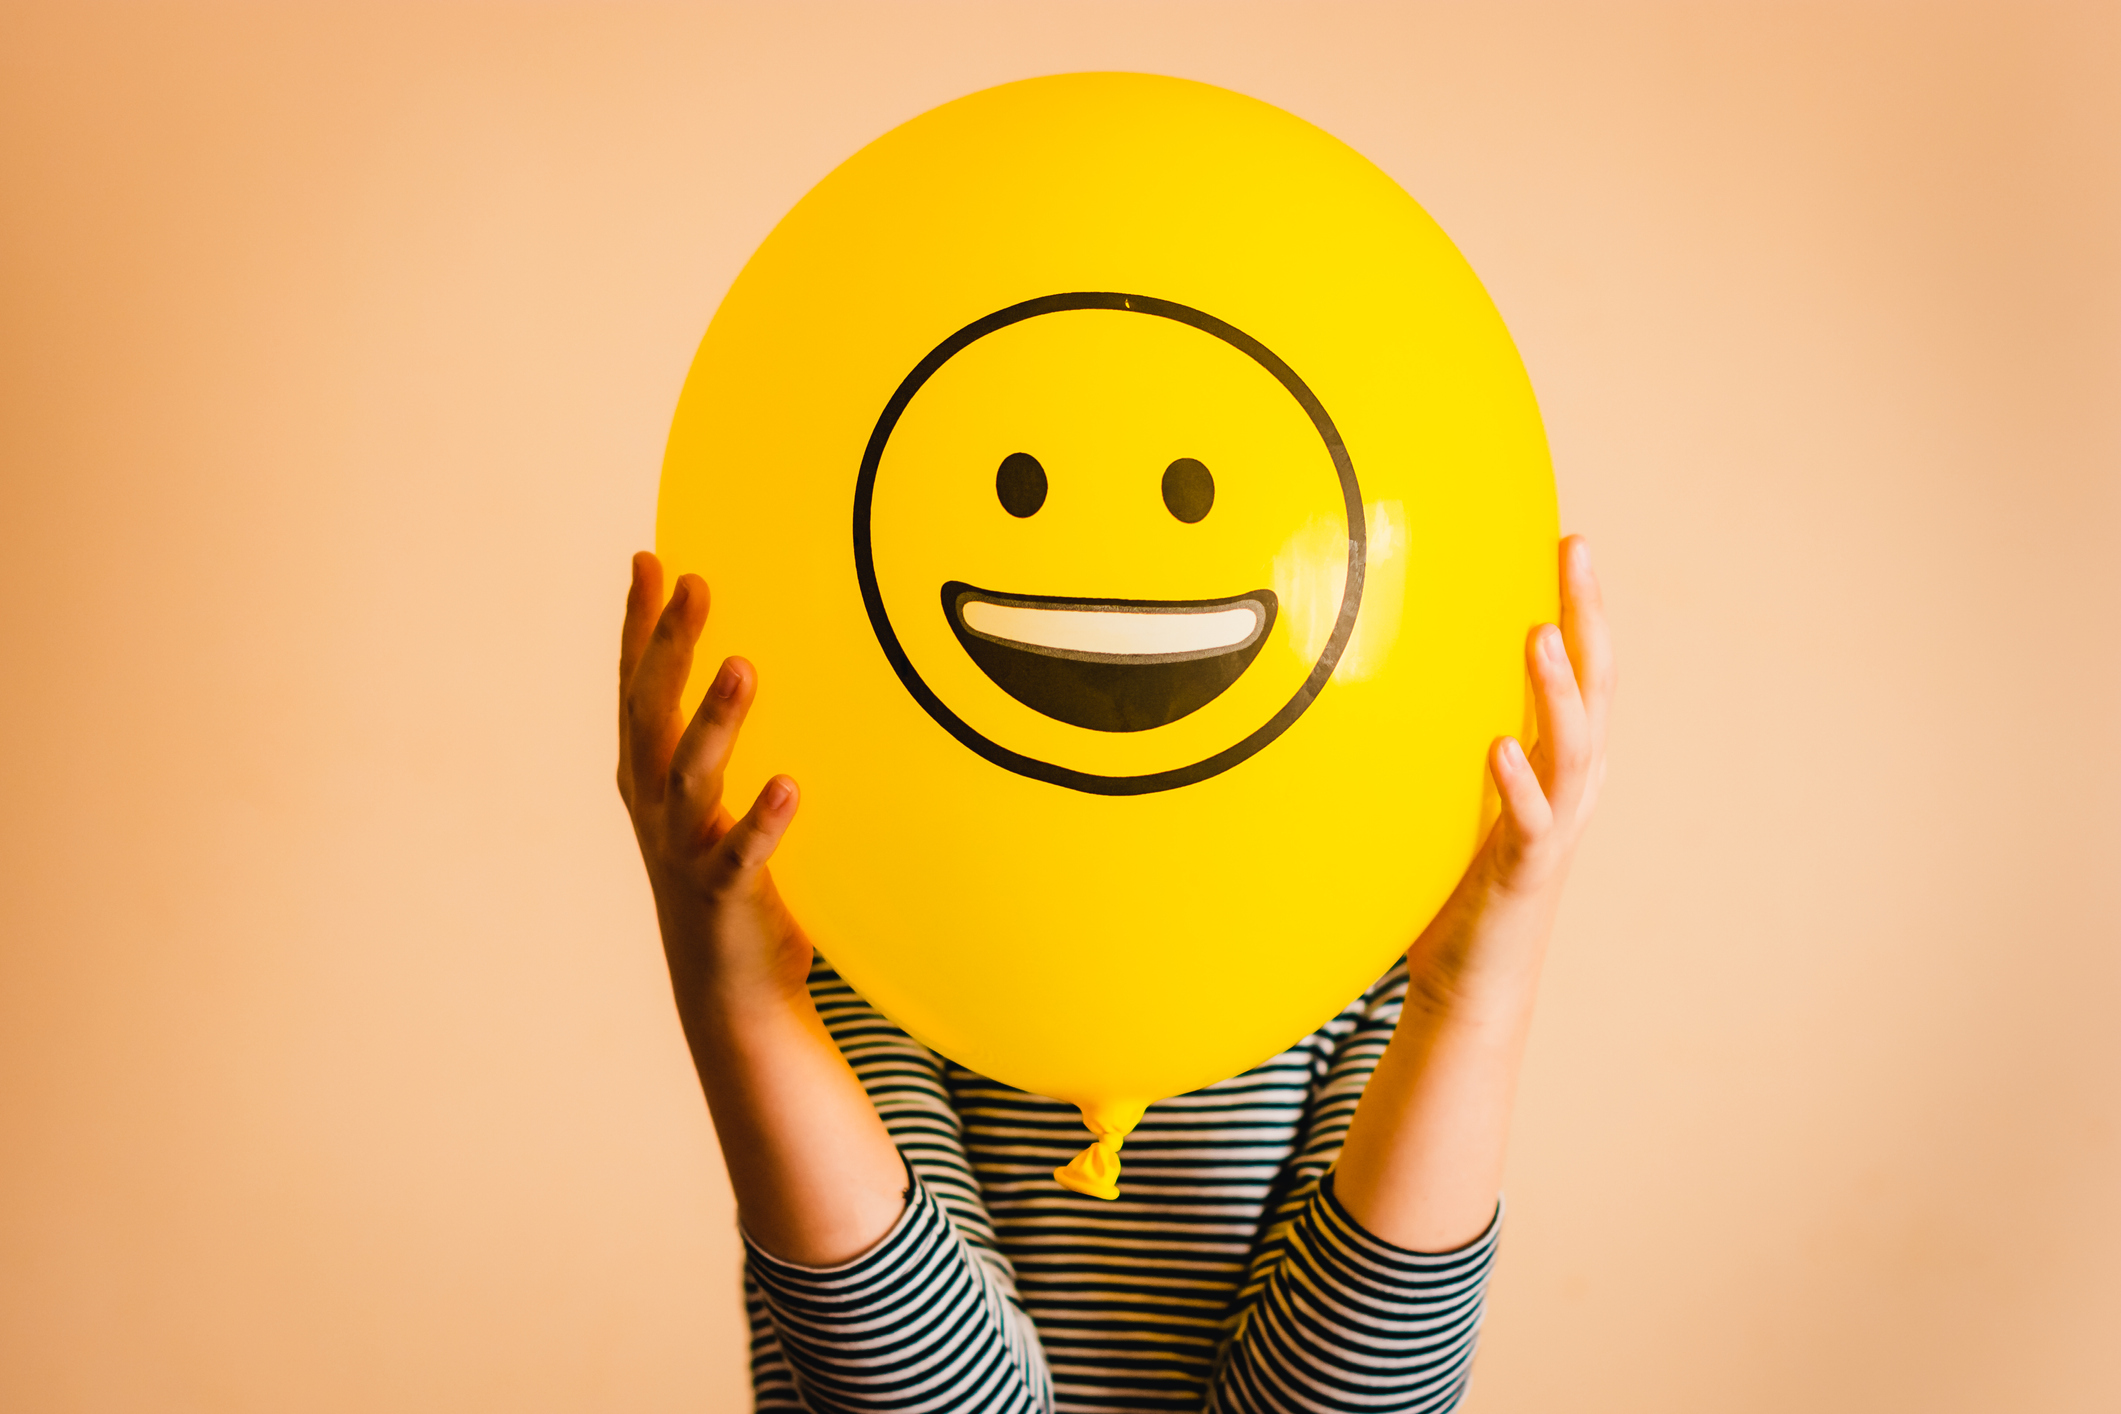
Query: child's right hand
(730, 941)
(816, 1176)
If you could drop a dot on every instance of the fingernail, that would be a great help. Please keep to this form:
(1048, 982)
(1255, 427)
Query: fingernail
(679, 594)
(1550, 644)
(779, 792)
(727, 681)
(1512, 752)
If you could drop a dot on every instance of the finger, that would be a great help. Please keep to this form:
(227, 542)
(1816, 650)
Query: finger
(651, 698)
(702, 755)
(643, 595)
(1562, 756)
(1584, 630)
(750, 843)
(1526, 814)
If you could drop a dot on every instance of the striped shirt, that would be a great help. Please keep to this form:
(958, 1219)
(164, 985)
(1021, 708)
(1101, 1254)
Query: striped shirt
(1226, 1278)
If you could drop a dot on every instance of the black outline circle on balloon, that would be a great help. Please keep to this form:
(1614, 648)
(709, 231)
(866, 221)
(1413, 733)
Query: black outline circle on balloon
(880, 621)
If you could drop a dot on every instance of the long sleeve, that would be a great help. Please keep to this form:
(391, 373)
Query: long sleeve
(1349, 1322)
(915, 1323)
(929, 1318)
(1332, 1317)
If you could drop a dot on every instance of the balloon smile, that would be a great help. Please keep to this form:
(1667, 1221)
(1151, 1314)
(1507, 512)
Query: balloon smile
(1111, 665)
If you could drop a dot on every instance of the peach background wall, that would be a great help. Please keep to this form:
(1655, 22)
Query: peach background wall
(336, 1068)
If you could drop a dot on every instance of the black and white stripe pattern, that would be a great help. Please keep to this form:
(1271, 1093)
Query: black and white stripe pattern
(915, 1323)
(1226, 1276)
(1350, 1322)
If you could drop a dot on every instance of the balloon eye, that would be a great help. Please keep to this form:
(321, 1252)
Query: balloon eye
(1189, 490)
(1021, 483)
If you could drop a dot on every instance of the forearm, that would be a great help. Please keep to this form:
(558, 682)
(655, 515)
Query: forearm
(1422, 1166)
(816, 1176)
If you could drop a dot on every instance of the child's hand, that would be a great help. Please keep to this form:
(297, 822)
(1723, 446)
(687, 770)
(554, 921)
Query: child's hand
(816, 1176)
(1424, 1153)
(1480, 955)
(728, 937)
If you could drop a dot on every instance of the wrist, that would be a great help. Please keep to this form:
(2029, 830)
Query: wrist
(1482, 1007)
(1478, 967)
(730, 962)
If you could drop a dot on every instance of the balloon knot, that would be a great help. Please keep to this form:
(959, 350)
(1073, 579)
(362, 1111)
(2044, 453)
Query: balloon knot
(1095, 1171)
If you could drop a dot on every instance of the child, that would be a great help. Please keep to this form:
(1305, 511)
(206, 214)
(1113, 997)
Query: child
(1315, 1234)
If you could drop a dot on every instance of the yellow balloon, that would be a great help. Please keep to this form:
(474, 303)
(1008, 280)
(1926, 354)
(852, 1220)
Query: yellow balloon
(1135, 508)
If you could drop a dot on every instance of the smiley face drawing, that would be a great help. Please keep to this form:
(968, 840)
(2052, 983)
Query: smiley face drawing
(1067, 528)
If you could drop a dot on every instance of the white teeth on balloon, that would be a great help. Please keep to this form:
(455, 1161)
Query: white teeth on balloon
(1116, 632)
